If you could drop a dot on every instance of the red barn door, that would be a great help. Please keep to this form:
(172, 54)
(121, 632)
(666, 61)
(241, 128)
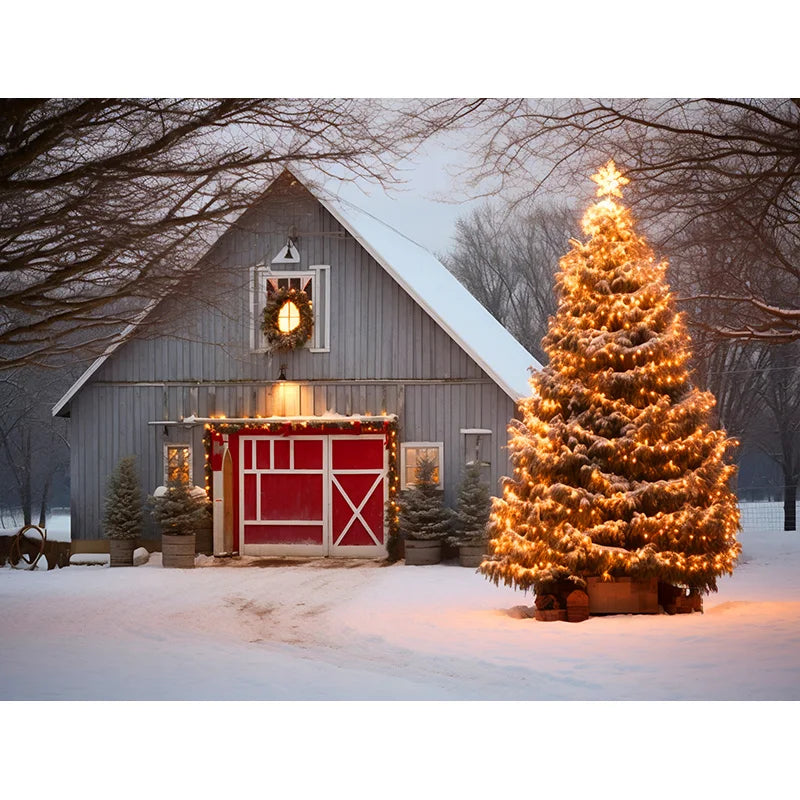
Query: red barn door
(312, 495)
(358, 493)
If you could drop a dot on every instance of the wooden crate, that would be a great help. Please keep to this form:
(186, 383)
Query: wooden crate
(622, 596)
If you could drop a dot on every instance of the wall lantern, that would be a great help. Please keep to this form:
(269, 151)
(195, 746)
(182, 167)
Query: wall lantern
(285, 396)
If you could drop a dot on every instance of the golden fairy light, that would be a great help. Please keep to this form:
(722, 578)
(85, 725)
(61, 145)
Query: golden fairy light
(616, 468)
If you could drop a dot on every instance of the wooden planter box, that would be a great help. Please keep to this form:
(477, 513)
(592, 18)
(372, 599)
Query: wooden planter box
(471, 555)
(121, 551)
(422, 552)
(622, 596)
(177, 551)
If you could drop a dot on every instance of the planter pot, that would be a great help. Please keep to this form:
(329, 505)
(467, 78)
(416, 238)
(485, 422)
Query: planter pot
(421, 552)
(622, 596)
(471, 555)
(177, 551)
(121, 551)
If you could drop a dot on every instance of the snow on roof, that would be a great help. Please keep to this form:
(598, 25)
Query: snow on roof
(428, 281)
(440, 293)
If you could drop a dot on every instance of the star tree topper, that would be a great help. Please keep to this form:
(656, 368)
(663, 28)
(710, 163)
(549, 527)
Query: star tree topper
(609, 180)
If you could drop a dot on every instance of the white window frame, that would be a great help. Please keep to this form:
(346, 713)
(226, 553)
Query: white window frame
(320, 300)
(188, 446)
(404, 446)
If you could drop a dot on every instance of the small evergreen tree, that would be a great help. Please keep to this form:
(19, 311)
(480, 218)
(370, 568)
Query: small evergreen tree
(181, 511)
(423, 514)
(123, 513)
(473, 509)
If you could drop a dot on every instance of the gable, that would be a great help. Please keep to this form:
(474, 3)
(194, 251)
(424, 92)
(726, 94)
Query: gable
(395, 311)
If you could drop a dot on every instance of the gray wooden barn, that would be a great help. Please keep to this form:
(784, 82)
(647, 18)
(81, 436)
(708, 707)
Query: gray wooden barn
(301, 448)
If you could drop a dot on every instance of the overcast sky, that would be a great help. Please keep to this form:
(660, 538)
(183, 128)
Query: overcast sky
(425, 207)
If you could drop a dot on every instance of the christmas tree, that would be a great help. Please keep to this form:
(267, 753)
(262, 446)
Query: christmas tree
(122, 518)
(181, 510)
(423, 514)
(473, 507)
(617, 469)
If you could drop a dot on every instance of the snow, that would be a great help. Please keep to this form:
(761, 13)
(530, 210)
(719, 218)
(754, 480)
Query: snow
(361, 631)
(58, 527)
(89, 559)
(322, 630)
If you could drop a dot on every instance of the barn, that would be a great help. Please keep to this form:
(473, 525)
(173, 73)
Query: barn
(300, 440)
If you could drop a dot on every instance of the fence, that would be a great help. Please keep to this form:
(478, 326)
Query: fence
(764, 515)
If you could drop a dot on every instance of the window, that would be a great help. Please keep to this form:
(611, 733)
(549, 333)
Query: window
(478, 449)
(177, 464)
(313, 282)
(411, 452)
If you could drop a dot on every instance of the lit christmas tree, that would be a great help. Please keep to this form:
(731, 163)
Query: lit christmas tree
(617, 470)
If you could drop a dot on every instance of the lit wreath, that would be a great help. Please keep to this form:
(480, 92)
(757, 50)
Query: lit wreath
(276, 338)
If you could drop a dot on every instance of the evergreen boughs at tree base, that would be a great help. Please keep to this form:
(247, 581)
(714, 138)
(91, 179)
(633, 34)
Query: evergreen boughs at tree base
(423, 514)
(123, 514)
(182, 510)
(617, 470)
(473, 508)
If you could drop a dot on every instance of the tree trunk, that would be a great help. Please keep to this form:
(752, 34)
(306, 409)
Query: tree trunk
(43, 504)
(790, 507)
(26, 494)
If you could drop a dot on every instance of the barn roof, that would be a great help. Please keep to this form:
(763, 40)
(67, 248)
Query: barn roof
(440, 293)
(426, 280)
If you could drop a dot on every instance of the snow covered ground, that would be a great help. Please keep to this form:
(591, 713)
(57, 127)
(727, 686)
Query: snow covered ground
(344, 630)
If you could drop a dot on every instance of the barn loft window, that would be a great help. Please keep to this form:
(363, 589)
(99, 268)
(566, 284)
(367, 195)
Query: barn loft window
(313, 282)
(177, 464)
(411, 453)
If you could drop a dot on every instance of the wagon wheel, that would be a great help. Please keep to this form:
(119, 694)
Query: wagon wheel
(17, 555)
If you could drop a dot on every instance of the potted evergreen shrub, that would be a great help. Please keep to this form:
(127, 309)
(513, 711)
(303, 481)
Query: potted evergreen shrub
(180, 511)
(424, 519)
(122, 519)
(472, 518)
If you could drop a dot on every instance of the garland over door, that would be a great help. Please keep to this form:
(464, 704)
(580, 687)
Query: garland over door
(312, 495)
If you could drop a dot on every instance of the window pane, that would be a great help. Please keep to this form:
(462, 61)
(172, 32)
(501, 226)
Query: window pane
(413, 455)
(288, 317)
(178, 464)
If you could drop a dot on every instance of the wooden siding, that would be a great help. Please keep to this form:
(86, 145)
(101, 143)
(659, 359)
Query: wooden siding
(110, 422)
(204, 332)
(194, 357)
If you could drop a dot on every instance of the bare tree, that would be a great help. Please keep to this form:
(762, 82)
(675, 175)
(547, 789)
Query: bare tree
(35, 453)
(779, 392)
(103, 203)
(507, 258)
(726, 165)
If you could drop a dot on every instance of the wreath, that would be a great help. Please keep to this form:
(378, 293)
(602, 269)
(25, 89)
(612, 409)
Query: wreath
(297, 337)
